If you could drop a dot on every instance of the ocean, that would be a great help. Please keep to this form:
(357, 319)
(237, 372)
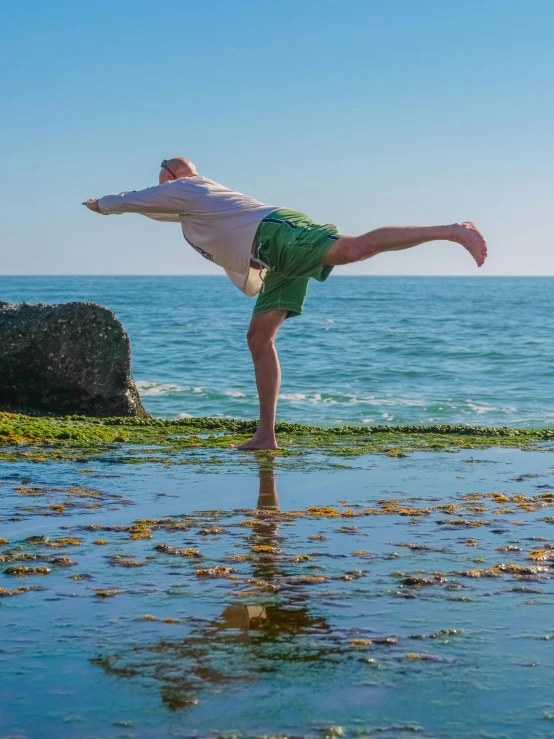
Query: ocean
(367, 350)
(200, 592)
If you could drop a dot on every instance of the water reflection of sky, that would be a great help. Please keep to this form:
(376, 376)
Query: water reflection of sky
(348, 628)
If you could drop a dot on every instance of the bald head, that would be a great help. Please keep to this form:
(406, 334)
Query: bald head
(177, 167)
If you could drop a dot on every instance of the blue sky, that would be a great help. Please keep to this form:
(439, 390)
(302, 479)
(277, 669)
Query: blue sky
(362, 113)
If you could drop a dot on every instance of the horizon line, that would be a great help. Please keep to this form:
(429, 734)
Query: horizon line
(435, 276)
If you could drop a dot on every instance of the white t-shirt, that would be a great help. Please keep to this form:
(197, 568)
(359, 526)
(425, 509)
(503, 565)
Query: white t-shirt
(219, 223)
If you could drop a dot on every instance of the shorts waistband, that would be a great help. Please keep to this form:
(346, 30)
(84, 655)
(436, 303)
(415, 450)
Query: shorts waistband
(292, 218)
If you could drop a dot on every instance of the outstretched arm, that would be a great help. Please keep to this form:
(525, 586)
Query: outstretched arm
(159, 202)
(92, 204)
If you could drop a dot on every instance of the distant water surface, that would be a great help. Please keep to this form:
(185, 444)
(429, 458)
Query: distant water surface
(368, 350)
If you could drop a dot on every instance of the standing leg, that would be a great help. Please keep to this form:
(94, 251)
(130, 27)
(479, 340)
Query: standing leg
(350, 249)
(261, 337)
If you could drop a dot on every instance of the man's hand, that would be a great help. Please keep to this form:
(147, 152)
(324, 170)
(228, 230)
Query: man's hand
(92, 204)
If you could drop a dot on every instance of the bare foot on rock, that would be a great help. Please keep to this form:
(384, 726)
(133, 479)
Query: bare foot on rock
(468, 235)
(259, 442)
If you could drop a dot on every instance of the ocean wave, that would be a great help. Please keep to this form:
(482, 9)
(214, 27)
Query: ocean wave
(482, 408)
(148, 388)
(391, 402)
(351, 399)
(158, 388)
(358, 408)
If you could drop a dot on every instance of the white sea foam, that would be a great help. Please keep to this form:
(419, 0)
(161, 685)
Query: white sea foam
(476, 408)
(480, 408)
(390, 402)
(385, 408)
(147, 388)
(185, 415)
(156, 388)
(351, 399)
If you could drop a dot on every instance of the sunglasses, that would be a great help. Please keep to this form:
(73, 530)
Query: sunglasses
(163, 165)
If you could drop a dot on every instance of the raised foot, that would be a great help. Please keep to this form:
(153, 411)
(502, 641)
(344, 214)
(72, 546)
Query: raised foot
(259, 442)
(468, 235)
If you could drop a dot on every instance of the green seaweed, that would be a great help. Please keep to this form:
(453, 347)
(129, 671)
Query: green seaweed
(80, 439)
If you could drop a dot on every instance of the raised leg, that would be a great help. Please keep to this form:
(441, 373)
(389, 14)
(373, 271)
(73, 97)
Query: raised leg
(349, 249)
(261, 342)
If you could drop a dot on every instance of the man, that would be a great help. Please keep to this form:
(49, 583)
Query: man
(270, 251)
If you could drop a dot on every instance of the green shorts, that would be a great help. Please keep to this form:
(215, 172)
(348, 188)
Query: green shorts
(293, 249)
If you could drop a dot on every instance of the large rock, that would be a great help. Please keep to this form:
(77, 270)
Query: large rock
(73, 358)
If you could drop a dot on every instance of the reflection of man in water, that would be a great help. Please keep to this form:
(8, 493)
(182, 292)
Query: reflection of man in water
(245, 617)
(267, 496)
(267, 621)
(272, 620)
(248, 639)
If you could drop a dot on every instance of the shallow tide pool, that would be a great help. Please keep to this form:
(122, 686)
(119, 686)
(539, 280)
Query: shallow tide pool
(386, 597)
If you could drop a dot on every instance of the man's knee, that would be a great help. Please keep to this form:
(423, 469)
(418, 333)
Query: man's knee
(258, 341)
(344, 251)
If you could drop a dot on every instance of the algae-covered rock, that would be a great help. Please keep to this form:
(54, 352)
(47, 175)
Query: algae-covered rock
(72, 358)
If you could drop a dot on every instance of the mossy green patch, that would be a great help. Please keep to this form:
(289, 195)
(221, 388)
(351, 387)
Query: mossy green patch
(80, 439)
